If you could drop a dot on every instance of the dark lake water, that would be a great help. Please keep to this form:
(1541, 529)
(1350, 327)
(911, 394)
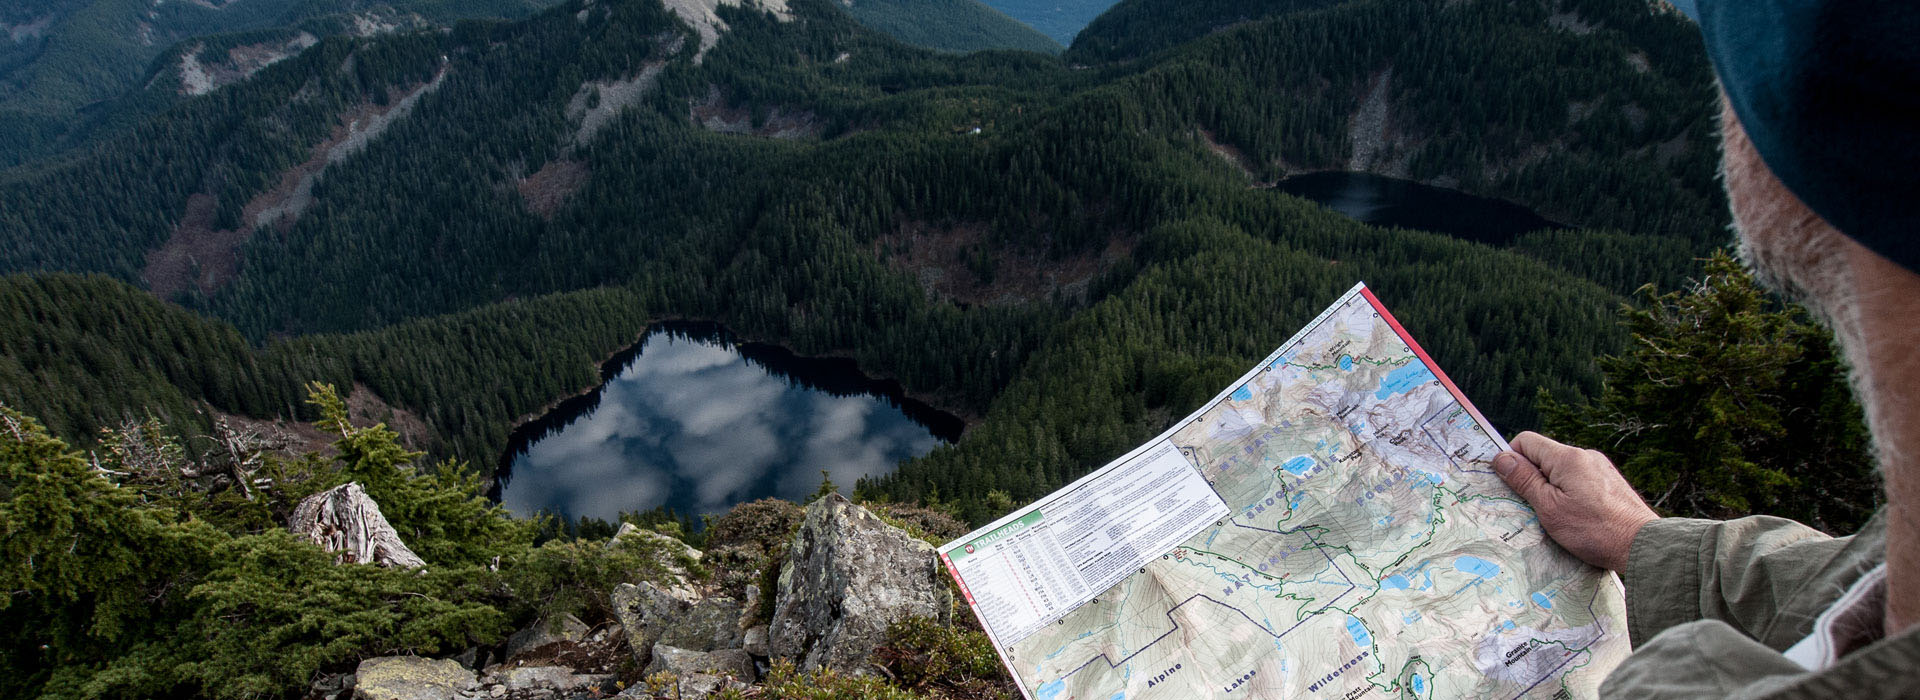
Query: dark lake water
(1386, 201)
(693, 421)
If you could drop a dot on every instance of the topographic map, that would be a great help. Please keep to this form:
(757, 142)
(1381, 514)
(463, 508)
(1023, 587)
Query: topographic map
(1328, 527)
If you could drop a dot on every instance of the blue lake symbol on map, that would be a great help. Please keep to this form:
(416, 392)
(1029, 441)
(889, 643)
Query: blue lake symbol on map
(1298, 466)
(1403, 380)
(1419, 684)
(1477, 566)
(1242, 394)
(1395, 582)
(1543, 600)
(1359, 632)
(1346, 363)
(1051, 690)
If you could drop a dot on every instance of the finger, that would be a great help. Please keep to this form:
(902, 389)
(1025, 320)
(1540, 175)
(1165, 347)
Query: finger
(1544, 451)
(1522, 476)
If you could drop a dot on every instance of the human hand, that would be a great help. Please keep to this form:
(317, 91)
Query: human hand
(1582, 500)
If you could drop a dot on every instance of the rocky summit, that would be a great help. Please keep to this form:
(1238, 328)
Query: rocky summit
(846, 578)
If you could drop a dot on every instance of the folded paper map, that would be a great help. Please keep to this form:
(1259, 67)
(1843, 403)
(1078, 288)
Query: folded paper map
(1327, 527)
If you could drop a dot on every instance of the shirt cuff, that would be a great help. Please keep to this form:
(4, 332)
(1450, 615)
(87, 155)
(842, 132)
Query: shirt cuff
(1663, 575)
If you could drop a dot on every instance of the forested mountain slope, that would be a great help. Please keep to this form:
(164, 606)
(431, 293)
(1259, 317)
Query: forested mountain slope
(949, 25)
(1060, 19)
(66, 66)
(1072, 256)
(1135, 28)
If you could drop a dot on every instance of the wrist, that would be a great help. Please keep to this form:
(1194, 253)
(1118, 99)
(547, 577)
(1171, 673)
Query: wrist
(1617, 557)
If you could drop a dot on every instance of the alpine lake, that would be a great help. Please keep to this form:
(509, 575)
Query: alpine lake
(692, 419)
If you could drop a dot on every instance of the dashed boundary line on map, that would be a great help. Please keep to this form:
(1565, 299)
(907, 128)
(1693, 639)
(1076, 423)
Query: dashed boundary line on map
(1351, 587)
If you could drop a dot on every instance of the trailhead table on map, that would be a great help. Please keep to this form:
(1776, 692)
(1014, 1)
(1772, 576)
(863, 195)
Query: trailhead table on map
(1327, 527)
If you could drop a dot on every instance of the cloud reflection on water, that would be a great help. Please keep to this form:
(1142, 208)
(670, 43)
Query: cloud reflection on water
(693, 425)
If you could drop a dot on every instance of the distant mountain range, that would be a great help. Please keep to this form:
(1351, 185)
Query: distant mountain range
(71, 70)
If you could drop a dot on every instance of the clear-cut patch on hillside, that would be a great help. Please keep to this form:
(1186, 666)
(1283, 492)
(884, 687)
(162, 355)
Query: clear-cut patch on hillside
(715, 114)
(959, 262)
(1233, 156)
(1570, 21)
(31, 29)
(199, 77)
(363, 408)
(200, 256)
(552, 185)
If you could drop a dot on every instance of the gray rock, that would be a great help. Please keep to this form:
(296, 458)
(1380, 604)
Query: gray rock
(755, 641)
(410, 678)
(698, 686)
(670, 551)
(683, 663)
(848, 577)
(527, 679)
(546, 631)
(332, 683)
(651, 614)
(473, 658)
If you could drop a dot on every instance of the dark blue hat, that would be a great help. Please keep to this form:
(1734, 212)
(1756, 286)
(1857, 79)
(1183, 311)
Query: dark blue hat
(1829, 92)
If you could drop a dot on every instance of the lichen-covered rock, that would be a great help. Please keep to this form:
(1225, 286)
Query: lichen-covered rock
(345, 520)
(546, 630)
(848, 577)
(671, 554)
(410, 678)
(682, 663)
(698, 686)
(755, 641)
(651, 614)
(556, 678)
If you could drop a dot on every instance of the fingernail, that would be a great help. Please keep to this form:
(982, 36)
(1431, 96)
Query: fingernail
(1504, 462)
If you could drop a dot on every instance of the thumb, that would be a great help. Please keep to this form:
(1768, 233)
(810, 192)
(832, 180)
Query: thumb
(1521, 475)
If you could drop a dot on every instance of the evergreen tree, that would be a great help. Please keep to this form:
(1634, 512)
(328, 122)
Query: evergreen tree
(1727, 403)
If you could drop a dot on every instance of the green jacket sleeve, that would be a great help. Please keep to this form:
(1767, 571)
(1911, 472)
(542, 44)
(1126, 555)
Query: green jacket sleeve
(1766, 577)
(1709, 659)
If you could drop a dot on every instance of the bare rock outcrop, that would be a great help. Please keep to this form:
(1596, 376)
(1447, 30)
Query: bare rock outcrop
(346, 521)
(848, 577)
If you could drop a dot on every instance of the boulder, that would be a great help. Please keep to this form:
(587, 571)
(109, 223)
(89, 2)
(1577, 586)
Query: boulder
(755, 641)
(651, 614)
(669, 553)
(848, 577)
(410, 678)
(698, 686)
(331, 686)
(544, 631)
(682, 663)
(556, 678)
(346, 521)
